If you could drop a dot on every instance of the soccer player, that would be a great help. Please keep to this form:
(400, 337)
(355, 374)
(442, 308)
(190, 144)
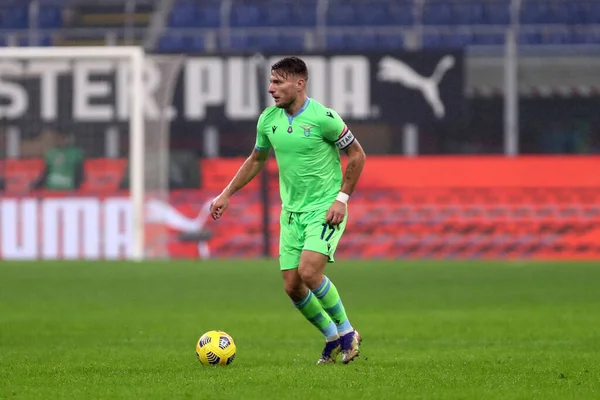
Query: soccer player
(307, 138)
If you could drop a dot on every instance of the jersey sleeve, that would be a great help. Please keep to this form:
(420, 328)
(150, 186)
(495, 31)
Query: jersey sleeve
(262, 141)
(335, 130)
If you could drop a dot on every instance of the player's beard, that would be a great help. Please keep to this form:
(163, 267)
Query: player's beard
(287, 104)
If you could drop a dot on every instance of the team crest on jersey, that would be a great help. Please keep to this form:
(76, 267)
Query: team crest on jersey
(307, 129)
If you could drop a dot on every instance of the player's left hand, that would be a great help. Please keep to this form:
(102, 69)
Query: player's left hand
(336, 213)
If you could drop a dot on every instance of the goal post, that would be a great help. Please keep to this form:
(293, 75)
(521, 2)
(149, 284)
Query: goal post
(134, 57)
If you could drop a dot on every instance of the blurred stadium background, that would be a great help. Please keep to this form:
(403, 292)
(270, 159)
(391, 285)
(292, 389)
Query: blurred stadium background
(479, 119)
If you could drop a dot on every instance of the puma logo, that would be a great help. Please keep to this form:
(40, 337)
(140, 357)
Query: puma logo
(393, 70)
(274, 128)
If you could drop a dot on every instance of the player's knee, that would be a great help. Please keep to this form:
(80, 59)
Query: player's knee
(310, 276)
(294, 287)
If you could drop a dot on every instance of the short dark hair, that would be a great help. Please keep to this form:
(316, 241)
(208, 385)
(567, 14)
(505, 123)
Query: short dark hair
(291, 65)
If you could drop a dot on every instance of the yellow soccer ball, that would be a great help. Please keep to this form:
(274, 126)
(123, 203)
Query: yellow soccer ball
(215, 348)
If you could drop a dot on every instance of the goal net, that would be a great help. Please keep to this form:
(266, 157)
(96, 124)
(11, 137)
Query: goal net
(84, 160)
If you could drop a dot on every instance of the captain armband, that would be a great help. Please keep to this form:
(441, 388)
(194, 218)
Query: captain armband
(345, 139)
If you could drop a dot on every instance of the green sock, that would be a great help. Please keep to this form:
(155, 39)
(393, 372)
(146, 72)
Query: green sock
(332, 304)
(313, 311)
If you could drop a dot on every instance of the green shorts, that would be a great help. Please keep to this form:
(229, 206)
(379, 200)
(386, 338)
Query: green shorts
(307, 231)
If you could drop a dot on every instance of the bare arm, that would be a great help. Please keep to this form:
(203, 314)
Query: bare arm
(245, 174)
(356, 162)
(354, 168)
(249, 169)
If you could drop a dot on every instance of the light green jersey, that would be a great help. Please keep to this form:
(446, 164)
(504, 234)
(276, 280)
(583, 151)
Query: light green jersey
(307, 148)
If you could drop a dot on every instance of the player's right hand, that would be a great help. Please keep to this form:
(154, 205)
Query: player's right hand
(219, 205)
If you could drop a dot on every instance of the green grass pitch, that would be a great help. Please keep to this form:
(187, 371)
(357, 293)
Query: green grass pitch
(431, 330)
